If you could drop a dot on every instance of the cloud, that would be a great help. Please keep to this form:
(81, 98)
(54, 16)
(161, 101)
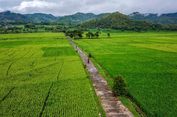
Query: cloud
(35, 6)
(1, 10)
(65, 7)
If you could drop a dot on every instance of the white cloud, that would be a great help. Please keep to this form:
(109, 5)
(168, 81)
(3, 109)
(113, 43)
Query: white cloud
(1, 10)
(34, 6)
(65, 7)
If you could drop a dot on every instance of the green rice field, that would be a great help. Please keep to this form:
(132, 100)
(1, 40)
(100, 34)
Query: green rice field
(41, 75)
(147, 62)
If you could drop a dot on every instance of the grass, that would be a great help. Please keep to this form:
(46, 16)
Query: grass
(147, 61)
(58, 51)
(41, 75)
(131, 106)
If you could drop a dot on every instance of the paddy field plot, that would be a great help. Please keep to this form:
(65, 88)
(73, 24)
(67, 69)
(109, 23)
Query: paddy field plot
(147, 62)
(41, 75)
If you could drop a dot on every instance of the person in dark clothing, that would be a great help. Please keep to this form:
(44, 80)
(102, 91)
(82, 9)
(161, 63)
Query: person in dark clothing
(88, 61)
(89, 56)
(108, 34)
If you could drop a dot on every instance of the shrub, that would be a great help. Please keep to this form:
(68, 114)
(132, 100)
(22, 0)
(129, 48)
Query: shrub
(119, 87)
(90, 55)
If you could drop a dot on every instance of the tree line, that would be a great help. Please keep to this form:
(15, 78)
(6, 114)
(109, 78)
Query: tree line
(78, 34)
(44, 27)
(30, 28)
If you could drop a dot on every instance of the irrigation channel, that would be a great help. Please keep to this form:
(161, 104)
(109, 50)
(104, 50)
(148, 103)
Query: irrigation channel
(111, 104)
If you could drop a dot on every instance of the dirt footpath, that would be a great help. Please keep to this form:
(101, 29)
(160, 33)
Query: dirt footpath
(111, 105)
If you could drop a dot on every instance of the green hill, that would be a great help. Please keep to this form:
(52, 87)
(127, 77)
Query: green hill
(40, 17)
(8, 16)
(79, 18)
(170, 18)
(135, 21)
(117, 21)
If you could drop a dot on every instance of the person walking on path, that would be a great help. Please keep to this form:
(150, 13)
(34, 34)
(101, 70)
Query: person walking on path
(88, 61)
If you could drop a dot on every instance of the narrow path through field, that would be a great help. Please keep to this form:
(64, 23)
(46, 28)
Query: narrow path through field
(111, 105)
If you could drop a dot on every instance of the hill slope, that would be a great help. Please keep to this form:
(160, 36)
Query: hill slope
(117, 18)
(8, 16)
(76, 18)
(79, 18)
(116, 21)
(40, 17)
(170, 18)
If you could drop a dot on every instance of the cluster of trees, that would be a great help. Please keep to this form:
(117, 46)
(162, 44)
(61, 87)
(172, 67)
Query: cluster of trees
(78, 34)
(169, 27)
(91, 35)
(30, 27)
(10, 29)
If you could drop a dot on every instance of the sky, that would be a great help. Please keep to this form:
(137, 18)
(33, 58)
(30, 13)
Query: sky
(67, 7)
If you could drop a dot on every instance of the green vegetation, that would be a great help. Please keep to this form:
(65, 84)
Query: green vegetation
(38, 22)
(119, 87)
(146, 61)
(31, 27)
(41, 75)
(58, 51)
(78, 18)
(123, 22)
(131, 106)
(76, 34)
(170, 18)
(91, 35)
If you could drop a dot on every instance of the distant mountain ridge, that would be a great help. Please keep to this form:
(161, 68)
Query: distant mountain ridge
(10, 17)
(76, 18)
(118, 21)
(169, 18)
(80, 18)
(40, 17)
